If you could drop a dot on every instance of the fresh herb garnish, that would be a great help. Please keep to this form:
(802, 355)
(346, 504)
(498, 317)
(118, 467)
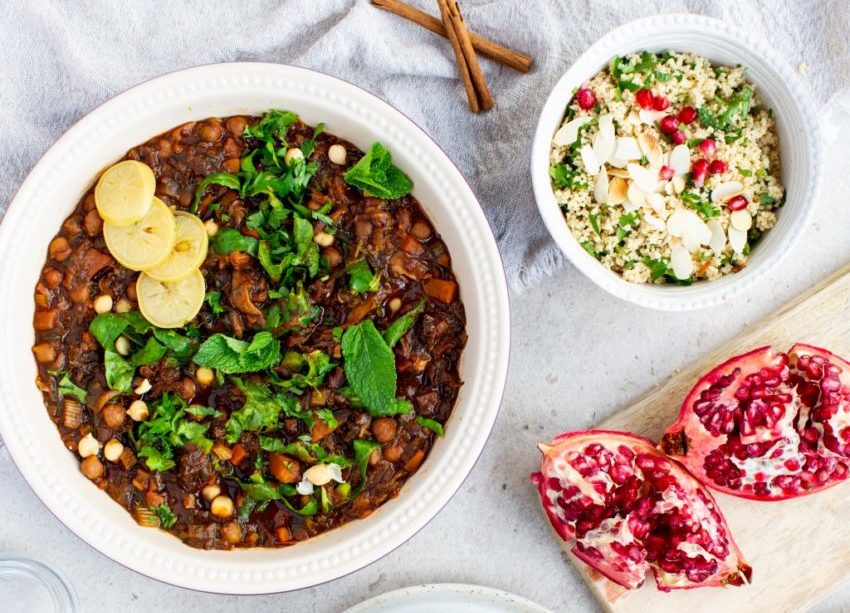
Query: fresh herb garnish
(214, 300)
(703, 207)
(431, 424)
(229, 240)
(167, 518)
(67, 387)
(362, 451)
(119, 373)
(327, 416)
(231, 355)
(376, 174)
(361, 278)
(396, 330)
(262, 410)
(168, 429)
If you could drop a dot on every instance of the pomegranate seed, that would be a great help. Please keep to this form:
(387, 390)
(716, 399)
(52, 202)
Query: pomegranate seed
(717, 167)
(699, 170)
(660, 103)
(737, 203)
(687, 115)
(645, 99)
(708, 148)
(668, 124)
(586, 99)
(666, 173)
(677, 137)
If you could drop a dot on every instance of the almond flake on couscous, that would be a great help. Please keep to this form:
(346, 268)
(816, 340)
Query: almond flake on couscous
(667, 168)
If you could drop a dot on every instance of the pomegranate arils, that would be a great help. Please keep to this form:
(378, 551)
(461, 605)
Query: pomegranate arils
(660, 103)
(699, 171)
(708, 148)
(666, 173)
(717, 167)
(768, 425)
(737, 203)
(677, 137)
(645, 99)
(687, 115)
(668, 124)
(585, 98)
(634, 511)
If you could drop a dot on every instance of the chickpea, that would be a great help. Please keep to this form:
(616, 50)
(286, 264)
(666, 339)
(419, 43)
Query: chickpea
(236, 125)
(204, 376)
(210, 132)
(393, 454)
(130, 291)
(143, 388)
(113, 449)
(394, 304)
(293, 154)
(323, 239)
(231, 165)
(384, 429)
(88, 446)
(113, 415)
(123, 305)
(59, 249)
(421, 230)
(52, 277)
(103, 304)
(122, 345)
(222, 506)
(211, 227)
(337, 154)
(138, 410)
(211, 492)
(92, 467)
(231, 532)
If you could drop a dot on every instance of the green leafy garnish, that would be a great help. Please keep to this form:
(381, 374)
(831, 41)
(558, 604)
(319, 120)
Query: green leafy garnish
(370, 369)
(229, 240)
(318, 364)
(766, 199)
(231, 355)
(361, 278)
(432, 424)
(362, 451)
(401, 325)
(702, 206)
(327, 416)
(376, 174)
(119, 372)
(594, 223)
(262, 410)
(167, 518)
(150, 353)
(214, 300)
(219, 178)
(166, 430)
(67, 387)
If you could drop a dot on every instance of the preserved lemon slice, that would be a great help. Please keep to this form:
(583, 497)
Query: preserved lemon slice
(188, 253)
(144, 243)
(170, 304)
(124, 192)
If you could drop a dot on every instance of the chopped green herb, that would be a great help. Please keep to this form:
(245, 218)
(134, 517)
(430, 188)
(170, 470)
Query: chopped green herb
(213, 299)
(167, 429)
(370, 369)
(396, 330)
(376, 174)
(231, 355)
(431, 424)
(361, 278)
(229, 240)
(67, 387)
(167, 518)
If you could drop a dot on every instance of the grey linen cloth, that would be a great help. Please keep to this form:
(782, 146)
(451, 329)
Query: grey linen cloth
(61, 59)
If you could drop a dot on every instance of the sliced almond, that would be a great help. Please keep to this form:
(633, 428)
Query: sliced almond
(653, 221)
(681, 262)
(651, 149)
(724, 191)
(737, 240)
(678, 183)
(741, 220)
(591, 164)
(633, 119)
(617, 162)
(645, 179)
(605, 140)
(650, 117)
(656, 201)
(568, 133)
(635, 195)
(627, 149)
(630, 207)
(617, 189)
(680, 159)
(618, 172)
(600, 191)
(718, 237)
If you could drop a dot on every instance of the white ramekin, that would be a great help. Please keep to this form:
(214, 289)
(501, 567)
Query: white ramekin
(779, 88)
(55, 186)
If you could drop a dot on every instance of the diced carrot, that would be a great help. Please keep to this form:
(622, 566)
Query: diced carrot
(440, 289)
(238, 454)
(411, 245)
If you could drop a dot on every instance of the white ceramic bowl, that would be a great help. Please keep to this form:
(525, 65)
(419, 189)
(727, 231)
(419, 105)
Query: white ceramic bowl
(779, 88)
(52, 190)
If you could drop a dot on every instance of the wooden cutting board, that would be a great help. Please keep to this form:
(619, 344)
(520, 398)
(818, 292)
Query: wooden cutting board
(799, 549)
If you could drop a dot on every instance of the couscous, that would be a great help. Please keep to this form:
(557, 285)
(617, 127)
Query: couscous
(667, 168)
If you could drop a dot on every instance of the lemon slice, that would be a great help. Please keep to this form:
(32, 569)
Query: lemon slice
(144, 243)
(124, 192)
(188, 253)
(170, 304)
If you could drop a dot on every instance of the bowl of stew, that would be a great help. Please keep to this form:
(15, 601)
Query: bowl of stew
(339, 367)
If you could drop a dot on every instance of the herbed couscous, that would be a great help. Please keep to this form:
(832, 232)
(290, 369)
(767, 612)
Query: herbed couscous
(667, 168)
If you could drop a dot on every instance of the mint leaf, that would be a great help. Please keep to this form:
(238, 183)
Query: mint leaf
(219, 178)
(119, 373)
(370, 368)
(150, 353)
(362, 451)
(274, 124)
(231, 355)
(400, 326)
(432, 424)
(361, 279)
(107, 327)
(67, 387)
(376, 174)
(229, 240)
(181, 346)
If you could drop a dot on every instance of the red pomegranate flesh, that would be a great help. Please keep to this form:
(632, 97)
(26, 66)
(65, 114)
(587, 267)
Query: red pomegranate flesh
(767, 425)
(630, 509)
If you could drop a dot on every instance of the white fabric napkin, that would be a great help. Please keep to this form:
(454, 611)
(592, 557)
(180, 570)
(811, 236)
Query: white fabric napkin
(62, 59)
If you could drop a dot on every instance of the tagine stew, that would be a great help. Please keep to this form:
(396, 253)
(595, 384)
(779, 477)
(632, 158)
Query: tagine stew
(319, 361)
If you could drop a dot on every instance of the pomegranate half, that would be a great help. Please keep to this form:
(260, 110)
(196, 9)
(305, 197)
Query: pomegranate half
(767, 425)
(630, 509)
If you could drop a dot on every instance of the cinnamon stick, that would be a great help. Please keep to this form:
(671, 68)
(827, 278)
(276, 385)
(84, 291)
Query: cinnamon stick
(486, 47)
(461, 59)
(479, 81)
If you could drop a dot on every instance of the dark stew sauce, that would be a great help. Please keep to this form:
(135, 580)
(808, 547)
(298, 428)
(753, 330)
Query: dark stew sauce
(414, 269)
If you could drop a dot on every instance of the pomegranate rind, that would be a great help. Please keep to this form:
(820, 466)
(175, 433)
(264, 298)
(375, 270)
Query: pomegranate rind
(623, 503)
(761, 426)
